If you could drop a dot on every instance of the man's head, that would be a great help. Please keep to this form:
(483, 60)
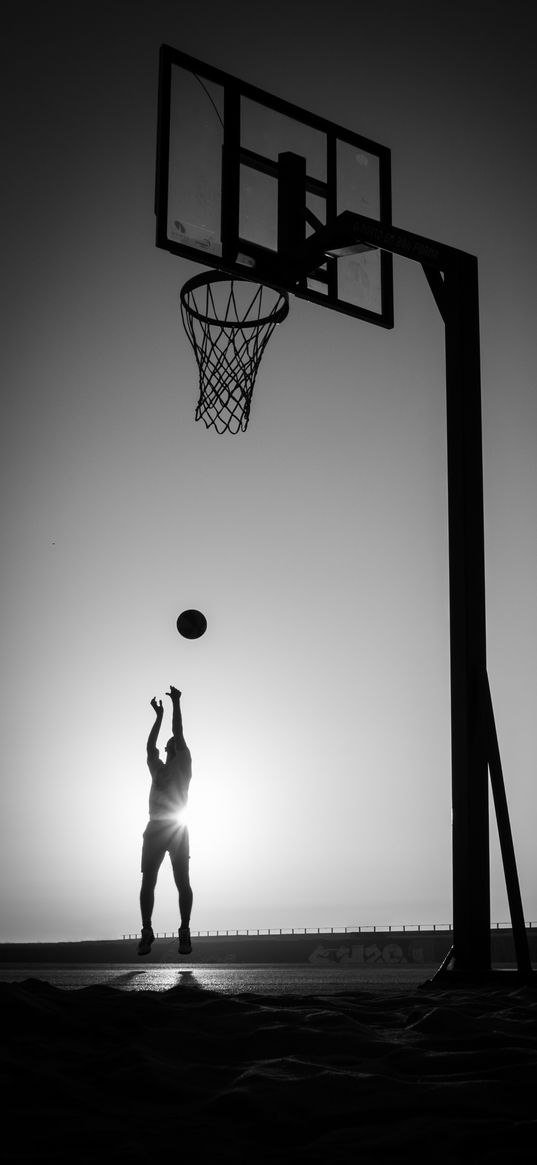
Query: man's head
(170, 748)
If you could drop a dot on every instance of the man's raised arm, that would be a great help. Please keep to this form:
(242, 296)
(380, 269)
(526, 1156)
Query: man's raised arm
(153, 735)
(177, 719)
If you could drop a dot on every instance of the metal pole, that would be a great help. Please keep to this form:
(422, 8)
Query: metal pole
(453, 279)
(470, 826)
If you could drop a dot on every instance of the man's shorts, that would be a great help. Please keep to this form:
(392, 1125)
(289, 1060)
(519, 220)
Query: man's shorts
(161, 837)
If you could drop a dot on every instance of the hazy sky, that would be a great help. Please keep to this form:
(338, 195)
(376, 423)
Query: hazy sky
(317, 704)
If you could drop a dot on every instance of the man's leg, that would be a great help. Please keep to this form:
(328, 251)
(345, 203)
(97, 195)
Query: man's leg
(153, 851)
(186, 896)
(181, 873)
(147, 900)
(147, 896)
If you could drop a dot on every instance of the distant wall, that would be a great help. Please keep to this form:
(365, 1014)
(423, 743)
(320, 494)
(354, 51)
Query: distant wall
(380, 948)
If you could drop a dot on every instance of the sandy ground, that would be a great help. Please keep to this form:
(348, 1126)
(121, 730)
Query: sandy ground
(405, 1075)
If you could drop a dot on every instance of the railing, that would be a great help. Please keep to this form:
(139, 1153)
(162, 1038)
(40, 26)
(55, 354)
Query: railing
(412, 927)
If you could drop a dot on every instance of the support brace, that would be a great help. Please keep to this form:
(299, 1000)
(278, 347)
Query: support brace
(507, 848)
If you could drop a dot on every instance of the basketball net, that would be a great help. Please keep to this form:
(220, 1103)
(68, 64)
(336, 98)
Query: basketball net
(229, 323)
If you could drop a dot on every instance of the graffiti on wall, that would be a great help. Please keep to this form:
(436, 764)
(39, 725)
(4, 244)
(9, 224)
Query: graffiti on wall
(362, 954)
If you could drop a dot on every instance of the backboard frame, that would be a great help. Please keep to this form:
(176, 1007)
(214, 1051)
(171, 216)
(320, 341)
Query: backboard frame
(262, 265)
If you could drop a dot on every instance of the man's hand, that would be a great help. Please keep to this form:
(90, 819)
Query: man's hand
(157, 707)
(177, 719)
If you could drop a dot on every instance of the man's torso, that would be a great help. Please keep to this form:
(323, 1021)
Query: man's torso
(170, 783)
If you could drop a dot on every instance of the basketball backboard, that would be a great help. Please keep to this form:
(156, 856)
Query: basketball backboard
(243, 178)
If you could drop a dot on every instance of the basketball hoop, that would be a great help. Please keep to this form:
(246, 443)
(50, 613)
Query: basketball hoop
(229, 323)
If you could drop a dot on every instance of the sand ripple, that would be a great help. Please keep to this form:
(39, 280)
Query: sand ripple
(100, 1073)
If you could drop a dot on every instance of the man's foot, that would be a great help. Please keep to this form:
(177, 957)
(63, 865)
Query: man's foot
(144, 946)
(185, 945)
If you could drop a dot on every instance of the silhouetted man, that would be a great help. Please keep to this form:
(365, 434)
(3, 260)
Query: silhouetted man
(166, 830)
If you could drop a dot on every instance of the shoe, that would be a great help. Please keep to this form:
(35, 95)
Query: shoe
(185, 945)
(146, 941)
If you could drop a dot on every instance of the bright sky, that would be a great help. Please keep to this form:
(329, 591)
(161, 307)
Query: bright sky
(317, 704)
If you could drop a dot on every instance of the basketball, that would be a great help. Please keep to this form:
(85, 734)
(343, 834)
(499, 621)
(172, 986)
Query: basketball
(191, 624)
